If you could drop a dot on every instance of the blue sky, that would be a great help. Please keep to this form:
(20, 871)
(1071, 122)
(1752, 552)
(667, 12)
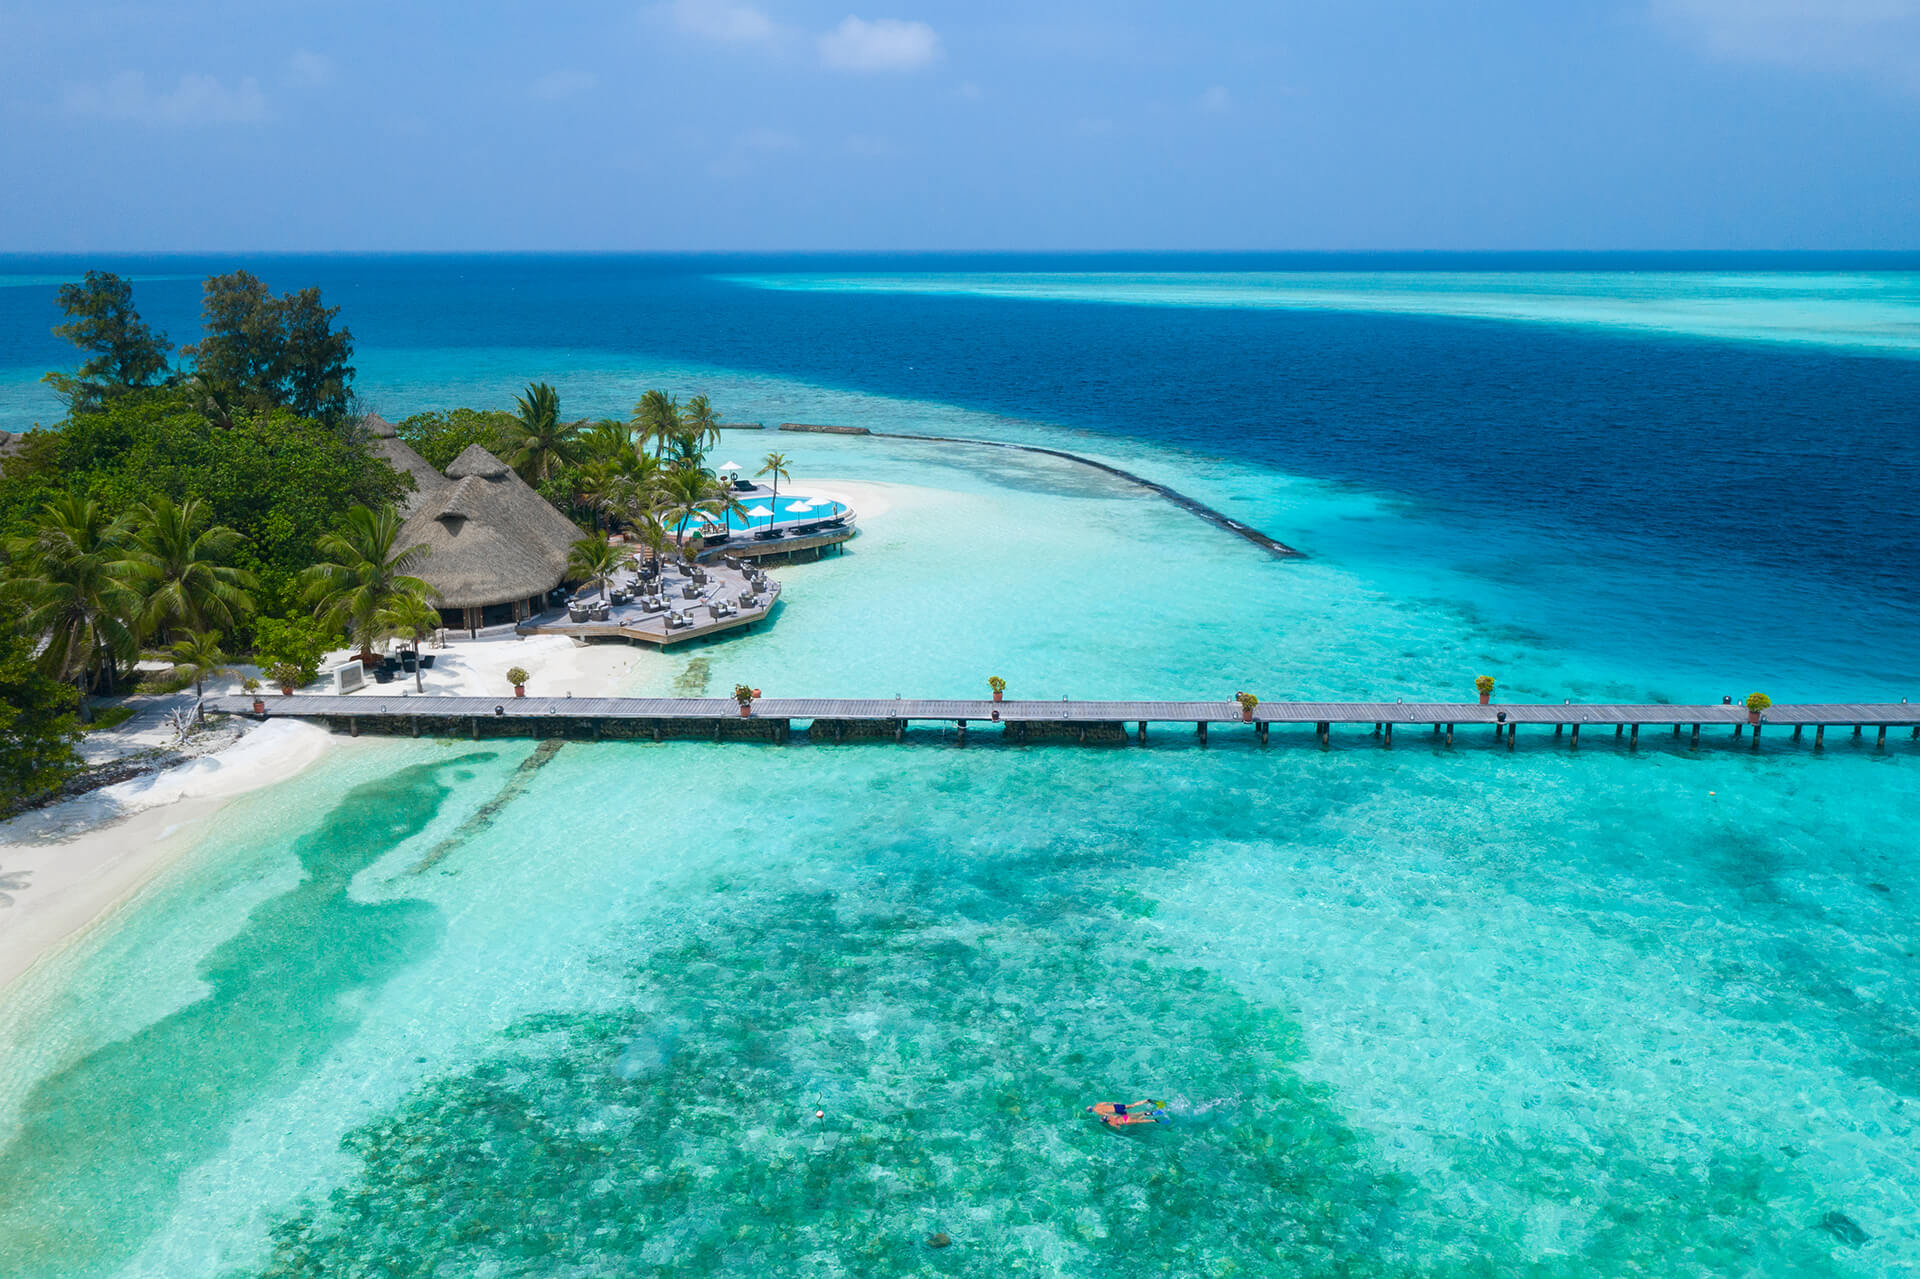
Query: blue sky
(787, 124)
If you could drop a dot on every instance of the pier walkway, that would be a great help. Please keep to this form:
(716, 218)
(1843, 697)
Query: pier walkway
(846, 719)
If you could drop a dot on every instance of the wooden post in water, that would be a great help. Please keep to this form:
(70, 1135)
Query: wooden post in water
(1738, 729)
(473, 726)
(416, 724)
(1883, 736)
(1201, 730)
(1513, 728)
(1856, 731)
(1633, 742)
(1143, 732)
(1449, 734)
(1573, 738)
(1618, 729)
(1796, 731)
(1695, 743)
(1819, 736)
(1326, 732)
(1558, 729)
(1261, 729)
(353, 726)
(961, 728)
(1756, 737)
(1389, 738)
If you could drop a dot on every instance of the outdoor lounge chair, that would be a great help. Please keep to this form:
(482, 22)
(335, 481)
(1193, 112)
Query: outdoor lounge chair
(677, 620)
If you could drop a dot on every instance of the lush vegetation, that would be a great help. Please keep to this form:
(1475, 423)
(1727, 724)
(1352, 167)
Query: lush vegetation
(229, 506)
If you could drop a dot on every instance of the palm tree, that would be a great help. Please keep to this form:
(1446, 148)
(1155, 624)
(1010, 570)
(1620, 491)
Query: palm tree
(200, 654)
(183, 569)
(775, 464)
(413, 617)
(76, 605)
(364, 573)
(609, 440)
(657, 416)
(700, 425)
(598, 559)
(539, 442)
(686, 494)
(599, 486)
(653, 535)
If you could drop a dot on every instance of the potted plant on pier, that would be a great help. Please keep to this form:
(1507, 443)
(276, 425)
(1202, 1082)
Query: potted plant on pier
(286, 675)
(1247, 702)
(1757, 702)
(1485, 685)
(252, 685)
(998, 686)
(745, 695)
(518, 677)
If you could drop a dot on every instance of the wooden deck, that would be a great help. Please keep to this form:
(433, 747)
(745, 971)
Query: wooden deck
(840, 718)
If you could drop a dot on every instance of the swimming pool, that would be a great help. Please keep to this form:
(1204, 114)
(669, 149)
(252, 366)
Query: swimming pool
(794, 509)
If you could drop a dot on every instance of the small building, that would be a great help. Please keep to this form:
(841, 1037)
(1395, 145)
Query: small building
(497, 547)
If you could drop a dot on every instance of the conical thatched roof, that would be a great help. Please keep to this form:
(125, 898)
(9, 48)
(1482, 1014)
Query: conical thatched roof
(493, 539)
(386, 442)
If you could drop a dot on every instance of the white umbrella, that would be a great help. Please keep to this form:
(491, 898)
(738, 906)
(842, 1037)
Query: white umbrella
(731, 466)
(799, 506)
(759, 513)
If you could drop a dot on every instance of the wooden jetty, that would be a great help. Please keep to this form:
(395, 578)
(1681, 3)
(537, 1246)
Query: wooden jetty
(855, 719)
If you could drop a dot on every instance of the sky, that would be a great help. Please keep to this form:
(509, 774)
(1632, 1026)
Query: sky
(929, 124)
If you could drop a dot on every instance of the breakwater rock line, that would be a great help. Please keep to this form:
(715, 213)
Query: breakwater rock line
(1273, 546)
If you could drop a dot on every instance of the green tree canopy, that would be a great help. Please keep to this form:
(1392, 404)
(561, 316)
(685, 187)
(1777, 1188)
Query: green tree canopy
(73, 603)
(182, 566)
(37, 728)
(261, 352)
(441, 437)
(123, 352)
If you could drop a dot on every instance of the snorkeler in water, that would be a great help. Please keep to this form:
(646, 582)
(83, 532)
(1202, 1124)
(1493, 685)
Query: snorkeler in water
(1120, 1114)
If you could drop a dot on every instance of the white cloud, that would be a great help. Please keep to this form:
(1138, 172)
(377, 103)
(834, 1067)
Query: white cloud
(1876, 36)
(722, 20)
(885, 44)
(195, 100)
(569, 83)
(313, 70)
(1216, 99)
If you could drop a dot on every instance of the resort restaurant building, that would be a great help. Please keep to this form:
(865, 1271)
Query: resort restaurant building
(496, 546)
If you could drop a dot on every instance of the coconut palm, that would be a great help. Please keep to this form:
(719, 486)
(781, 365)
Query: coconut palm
(201, 657)
(183, 569)
(365, 572)
(775, 465)
(75, 605)
(597, 559)
(608, 439)
(700, 426)
(599, 486)
(413, 617)
(687, 494)
(657, 419)
(653, 535)
(539, 444)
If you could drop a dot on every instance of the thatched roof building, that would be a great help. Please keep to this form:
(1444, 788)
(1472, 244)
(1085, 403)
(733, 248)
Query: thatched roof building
(497, 546)
(386, 442)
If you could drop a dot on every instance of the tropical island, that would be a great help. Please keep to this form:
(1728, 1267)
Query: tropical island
(235, 503)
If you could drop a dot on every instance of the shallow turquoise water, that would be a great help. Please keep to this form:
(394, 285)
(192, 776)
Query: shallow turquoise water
(447, 1009)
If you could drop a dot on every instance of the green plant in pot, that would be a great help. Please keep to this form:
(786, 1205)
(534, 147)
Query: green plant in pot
(518, 677)
(1757, 702)
(252, 685)
(1485, 685)
(998, 686)
(744, 694)
(286, 675)
(1247, 702)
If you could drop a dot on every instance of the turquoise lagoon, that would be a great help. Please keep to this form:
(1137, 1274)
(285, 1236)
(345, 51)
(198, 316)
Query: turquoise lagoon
(439, 1008)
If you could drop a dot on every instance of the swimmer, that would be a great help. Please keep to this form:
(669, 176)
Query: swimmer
(1120, 1114)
